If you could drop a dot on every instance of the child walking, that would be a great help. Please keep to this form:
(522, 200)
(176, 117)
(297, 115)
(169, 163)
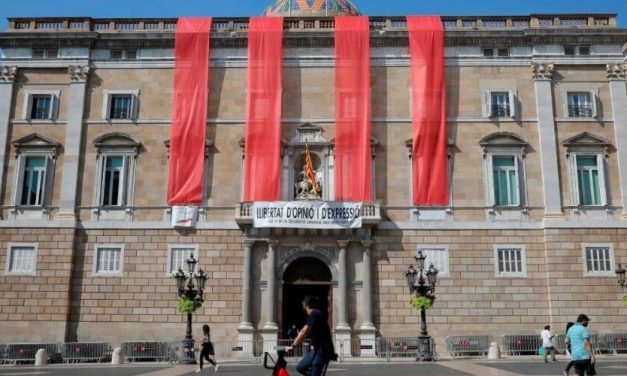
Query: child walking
(207, 353)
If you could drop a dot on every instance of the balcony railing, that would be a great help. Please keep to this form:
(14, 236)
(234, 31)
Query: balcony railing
(580, 110)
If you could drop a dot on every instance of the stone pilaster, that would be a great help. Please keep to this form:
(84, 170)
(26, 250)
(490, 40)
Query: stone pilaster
(618, 92)
(270, 331)
(7, 82)
(343, 329)
(367, 330)
(542, 75)
(79, 76)
(246, 326)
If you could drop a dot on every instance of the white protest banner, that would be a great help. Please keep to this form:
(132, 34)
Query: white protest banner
(184, 216)
(307, 214)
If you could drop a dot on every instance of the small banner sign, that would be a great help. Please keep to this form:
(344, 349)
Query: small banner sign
(184, 216)
(307, 214)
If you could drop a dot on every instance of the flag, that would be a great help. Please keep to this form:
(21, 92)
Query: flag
(310, 172)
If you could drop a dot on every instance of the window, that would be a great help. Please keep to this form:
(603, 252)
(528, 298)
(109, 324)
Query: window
(520, 24)
(588, 180)
(438, 256)
(120, 104)
(34, 181)
(577, 50)
(119, 54)
(113, 181)
(177, 254)
(510, 261)
(49, 25)
(499, 104)
(545, 22)
(505, 180)
(582, 104)
(108, 259)
(101, 26)
(598, 259)
(151, 25)
(21, 259)
(45, 53)
(115, 163)
(469, 24)
(573, 22)
(41, 104)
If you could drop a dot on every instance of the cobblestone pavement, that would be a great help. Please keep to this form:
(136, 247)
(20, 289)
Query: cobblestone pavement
(607, 366)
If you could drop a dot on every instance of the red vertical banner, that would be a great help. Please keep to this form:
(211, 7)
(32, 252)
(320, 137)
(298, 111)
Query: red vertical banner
(428, 95)
(352, 109)
(262, 150)
(189, 111)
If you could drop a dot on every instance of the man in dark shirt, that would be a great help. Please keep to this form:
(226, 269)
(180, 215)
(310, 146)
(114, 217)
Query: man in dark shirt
(313, 363)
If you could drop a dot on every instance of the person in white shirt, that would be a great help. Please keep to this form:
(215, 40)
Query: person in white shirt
(547, 343)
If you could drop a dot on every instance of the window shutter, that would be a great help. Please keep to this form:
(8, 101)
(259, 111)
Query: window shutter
(601, 167)
(123, 189)
(106, 106)
(487, 105)
(517, 179)
(28, 109)
(594, 101)
(512, 104)
(491, 182)
(102, 160)
(19, 179)
(134, 106)
(54, 107)
(48, 182)
(575, 178)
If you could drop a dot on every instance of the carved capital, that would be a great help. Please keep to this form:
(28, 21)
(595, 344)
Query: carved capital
(616, 71)
(542, 71)
(78, 73)
(8, 73)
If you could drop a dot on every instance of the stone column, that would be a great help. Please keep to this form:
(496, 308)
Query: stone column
(618, 91)
(7, 81)
(542, 75)
(368, 330)
(72, 146)
(342, 329)
(246, 326)
(270, 332)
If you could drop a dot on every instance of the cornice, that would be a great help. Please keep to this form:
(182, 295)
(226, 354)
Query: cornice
(379, 38)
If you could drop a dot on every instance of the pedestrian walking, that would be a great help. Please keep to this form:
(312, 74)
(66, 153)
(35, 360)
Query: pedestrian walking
(581, 348)
(547, 343)
(568, 350)
(207, 352)
(313, 362)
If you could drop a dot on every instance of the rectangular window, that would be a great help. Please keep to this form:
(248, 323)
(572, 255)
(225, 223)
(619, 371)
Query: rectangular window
(45, 53)
(599, 259)
(580, 105)
(545, 22)
(588, 181)
(120, 106)
(101, 26)
(520, 24)
(178, 255)
(22, 259)
(34, 181)
(120, 54)
(510, 261)
(41, 107)
(113, 181)
(584, 50)
(500, 106)
(438, 256)
(505, 177)
(108, 259)
(488, 52)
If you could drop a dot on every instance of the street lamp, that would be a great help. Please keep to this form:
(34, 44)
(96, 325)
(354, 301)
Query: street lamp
(193, 291)
(423, 289)
(620, 274)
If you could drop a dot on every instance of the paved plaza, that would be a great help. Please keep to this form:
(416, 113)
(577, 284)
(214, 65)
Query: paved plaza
(607, 366)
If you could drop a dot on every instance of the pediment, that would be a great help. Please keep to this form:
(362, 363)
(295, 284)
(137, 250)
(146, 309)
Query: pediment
(308, 133)
(36, 141)
(586, 139)
(116, 140)
(503, 139)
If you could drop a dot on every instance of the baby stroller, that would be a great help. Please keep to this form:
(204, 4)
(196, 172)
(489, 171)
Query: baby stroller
(280, 365)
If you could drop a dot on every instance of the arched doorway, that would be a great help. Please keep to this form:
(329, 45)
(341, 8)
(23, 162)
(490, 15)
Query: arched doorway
(305, 276)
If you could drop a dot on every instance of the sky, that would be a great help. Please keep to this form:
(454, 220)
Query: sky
(232, 8)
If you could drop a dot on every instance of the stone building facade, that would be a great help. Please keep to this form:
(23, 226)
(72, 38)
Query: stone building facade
(537, 128)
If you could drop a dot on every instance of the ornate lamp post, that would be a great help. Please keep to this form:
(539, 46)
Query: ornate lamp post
(620, 274)
(423, 289)
(187, 289)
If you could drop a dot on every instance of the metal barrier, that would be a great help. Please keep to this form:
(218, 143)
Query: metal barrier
(617, 342)
(270, 347)
(357, 348)
(3, 353)
(146, 350)
(25, 352)
(74, 352)
(237, 350)
(402, 347)
(468, 345)
(521, 344)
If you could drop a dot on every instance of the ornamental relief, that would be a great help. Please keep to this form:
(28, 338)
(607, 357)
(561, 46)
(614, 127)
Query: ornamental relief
(289, 254)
